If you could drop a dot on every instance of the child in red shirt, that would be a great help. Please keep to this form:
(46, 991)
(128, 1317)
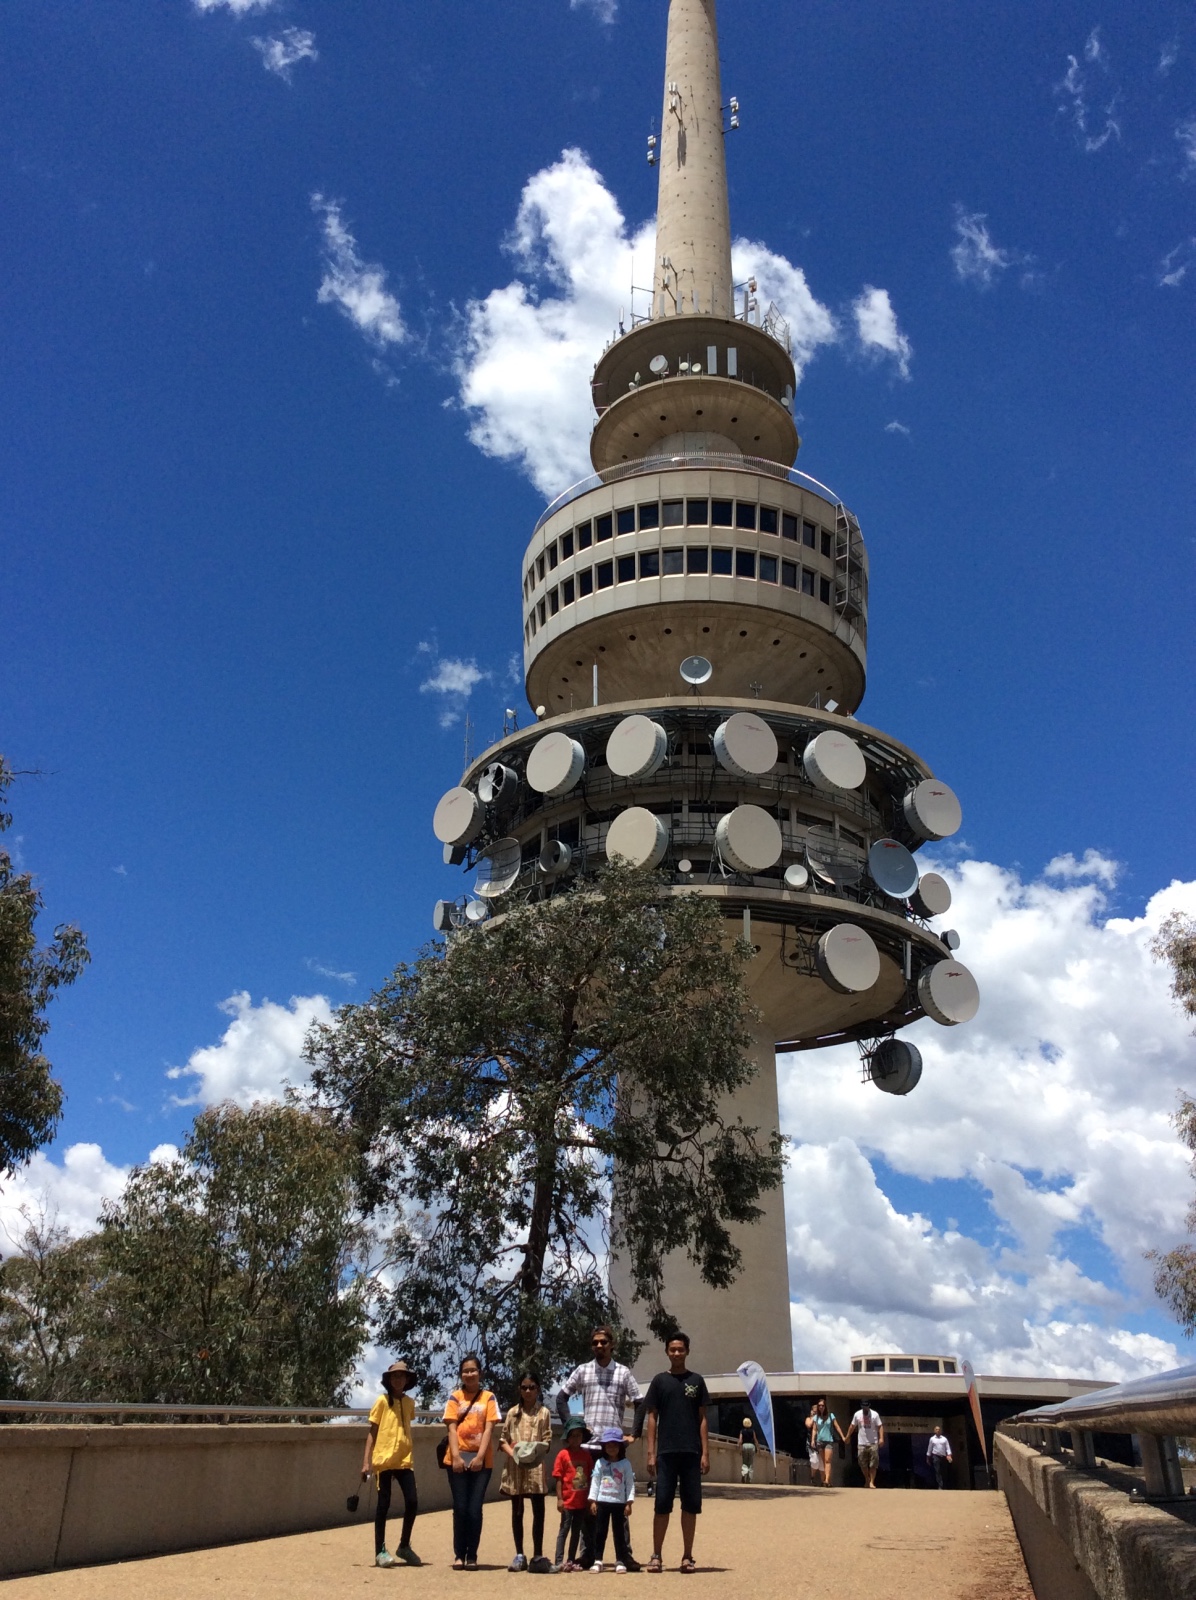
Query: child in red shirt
(571, 1471)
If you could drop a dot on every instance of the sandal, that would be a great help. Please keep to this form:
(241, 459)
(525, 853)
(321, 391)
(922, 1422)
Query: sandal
(458, 1565)
(656, 1564)
(688, 1564)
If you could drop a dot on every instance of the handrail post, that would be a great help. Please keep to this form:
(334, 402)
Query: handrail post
(1160, 1466)
(1083, 1449)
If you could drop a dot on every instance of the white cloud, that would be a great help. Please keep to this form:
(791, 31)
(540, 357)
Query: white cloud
(1074, 91)
(605, 10)
(974, 255)
(322, 971)
(897, 427)
(1168, 56)
(1053, 1107)
(1173, 268)
(1186, 134)
(69, 1193)
(239, 8)
(527, 349)
(455, 680)
(280, 54)
(358, 287)
(876, 327)
(259, 1054)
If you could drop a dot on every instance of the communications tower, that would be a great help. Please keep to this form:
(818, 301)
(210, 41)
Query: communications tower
(695, 625)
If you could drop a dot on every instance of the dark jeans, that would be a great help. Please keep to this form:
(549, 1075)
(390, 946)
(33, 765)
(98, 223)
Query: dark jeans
(410, 1506)
(468, 1490)
(614, 1518)
(571, 1528)
(537, 1501)
(939, 1463)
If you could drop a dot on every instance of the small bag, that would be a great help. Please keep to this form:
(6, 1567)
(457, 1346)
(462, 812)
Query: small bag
(529, 1452)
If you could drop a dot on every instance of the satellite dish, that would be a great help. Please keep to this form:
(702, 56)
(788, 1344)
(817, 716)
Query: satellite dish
(831, 859)
(555, 764)
(498, 785)
(832, 761)
(442, 916)
(695, 366)
(696, 670)
(847, 959)
(636, 748)
(950, 938)
(932, 810)
(555, 858)
(895, 1066)
(685, 866)
(477, 911)
(749, 838)
(637, 837)
(659, 365)
(949, 993)
(932, 897)
(745, 745)
(796, 876)
(498, 868)
(458, 817)
(893, 868)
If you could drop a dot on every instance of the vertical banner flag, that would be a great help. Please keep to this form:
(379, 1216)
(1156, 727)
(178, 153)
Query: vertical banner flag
(974, 1401)
(760, 1400)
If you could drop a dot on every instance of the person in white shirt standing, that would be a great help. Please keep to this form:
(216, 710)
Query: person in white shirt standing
(938, 1452)
(606, 1386)
(872, 1435)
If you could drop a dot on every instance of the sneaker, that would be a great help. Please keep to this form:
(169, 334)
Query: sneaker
(597, 1567)
(385, 1559)
(619, 1567)
(407, 1554)
(633, 1565)
(558, 1566)
(539, 1564)
(518, 1565)
(472, 1564)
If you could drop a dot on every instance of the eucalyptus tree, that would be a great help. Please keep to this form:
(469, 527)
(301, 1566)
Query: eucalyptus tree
(538, 1091)
(1175, 1270)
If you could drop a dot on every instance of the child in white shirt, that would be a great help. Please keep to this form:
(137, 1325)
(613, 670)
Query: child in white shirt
(612, 1490)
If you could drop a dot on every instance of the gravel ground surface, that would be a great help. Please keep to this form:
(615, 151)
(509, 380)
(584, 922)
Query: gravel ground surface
(835, 1544)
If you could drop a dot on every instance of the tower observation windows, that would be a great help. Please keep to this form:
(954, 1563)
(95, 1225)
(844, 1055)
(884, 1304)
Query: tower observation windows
(626, 569)
(649, 563)
(606, 574)
(768, 519)
(788, 525)
(649, 516)
(697, 558)
(626, 520)
(554, 602)
(697, 513)
(789, 574)
(745, 514)
(674, 562)
(809, 535)
(566, 546)
(585, 581)
(552, 557)
(674, 513)
(603, 528)
(768, 569)
(540, 569)
(722, 514)
(825, 542)
(807, 581)
(824, 591)
(585, 536)
(567, 592)
(542, 609)
(721, 562)
(745, 563)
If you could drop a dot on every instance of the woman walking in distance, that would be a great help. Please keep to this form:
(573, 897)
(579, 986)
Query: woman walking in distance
(388, 1456)
(825, 1427)
(525, 1438)
(471, 1414)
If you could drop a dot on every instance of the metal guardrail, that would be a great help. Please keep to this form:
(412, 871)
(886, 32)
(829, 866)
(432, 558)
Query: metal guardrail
(645, 465)
(1158, 1411)
(117, 1410)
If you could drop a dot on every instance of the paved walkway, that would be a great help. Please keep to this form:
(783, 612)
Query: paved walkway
(835, 1544)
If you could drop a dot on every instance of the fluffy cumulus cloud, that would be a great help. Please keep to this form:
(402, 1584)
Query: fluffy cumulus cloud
(257, 1057)
(1046, 1120)
(1085, 99)
(877, 330)
(451, 680)
(69, 1192)
(528, 348)
(280, 54)
(356, 287)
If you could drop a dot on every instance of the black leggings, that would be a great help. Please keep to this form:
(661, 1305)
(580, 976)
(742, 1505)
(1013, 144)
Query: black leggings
(537, 1501)
(614, 1518)
(410, 1506)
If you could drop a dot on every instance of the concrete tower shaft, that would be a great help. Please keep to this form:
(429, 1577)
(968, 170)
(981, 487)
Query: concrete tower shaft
(693, 222)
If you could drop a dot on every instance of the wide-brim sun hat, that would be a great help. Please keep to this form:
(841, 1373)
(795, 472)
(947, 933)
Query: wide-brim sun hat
(400, 1369)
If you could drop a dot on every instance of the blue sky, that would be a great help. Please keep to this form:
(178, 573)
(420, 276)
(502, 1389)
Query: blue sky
(255, 348)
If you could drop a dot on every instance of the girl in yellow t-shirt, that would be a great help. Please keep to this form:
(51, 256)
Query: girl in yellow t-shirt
(388, 1455)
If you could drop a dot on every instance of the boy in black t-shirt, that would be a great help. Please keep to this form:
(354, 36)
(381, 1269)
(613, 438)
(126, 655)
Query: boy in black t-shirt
(678, 1447)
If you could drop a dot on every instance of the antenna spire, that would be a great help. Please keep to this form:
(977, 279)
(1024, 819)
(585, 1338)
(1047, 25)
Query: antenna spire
(693, 220)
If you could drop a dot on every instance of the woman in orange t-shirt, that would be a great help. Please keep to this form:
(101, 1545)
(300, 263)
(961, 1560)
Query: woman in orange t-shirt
(471, 1414)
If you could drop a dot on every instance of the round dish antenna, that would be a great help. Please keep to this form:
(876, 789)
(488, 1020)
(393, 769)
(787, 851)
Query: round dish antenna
(950, 938)
(636, 748)
(555, 858)
(932, 897)
(745, 745)
(831, 859)
(895, 1066)
(847, 959)
(949, 993)
(685, 866)
(498, 785)
(659, 365)
(442, 916)
(833, 761)
(555, 764)
(498, 869)
(458, 817)
(696, 670)
(749, 839)
(796, 876)
(476, 911)
(932, 810)
(638, 837)
(893, 869)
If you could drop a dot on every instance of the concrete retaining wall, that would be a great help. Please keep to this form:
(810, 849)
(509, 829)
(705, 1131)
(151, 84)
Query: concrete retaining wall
(78, 1495)
(1085, 1539)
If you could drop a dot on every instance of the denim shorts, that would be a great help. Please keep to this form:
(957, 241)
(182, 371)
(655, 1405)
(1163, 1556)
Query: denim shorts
(679, 1469)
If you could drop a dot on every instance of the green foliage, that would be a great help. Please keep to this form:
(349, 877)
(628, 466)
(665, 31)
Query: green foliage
(497, 1087)
(1175, 1270)
(1175, 943)
(226, 1275)
(30, 1099)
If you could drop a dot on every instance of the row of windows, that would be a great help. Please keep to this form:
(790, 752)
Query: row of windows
(654, 514)
(699, 559)
(901, 1364)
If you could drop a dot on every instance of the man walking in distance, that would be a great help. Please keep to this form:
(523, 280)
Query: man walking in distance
(607, 1388)
(938, 1451)
(678, 1448)
(872, 1435)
